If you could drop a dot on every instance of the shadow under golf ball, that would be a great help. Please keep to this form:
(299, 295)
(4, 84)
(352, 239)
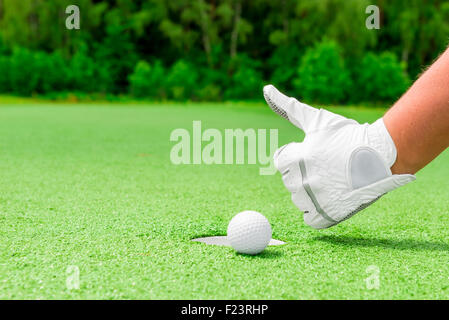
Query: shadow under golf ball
(224, 242)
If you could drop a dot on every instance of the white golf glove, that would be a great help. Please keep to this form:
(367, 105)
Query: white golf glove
(340, 168)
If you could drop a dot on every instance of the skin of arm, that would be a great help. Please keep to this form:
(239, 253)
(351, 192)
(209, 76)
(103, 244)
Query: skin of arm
(419, 120)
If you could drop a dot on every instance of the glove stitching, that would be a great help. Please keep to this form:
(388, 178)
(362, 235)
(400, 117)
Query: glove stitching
(360, 208)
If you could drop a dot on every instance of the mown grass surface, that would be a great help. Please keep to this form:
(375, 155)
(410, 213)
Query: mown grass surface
(93, 187)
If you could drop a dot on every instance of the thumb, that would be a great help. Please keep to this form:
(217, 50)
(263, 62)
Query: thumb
(289, 108)
(300, 114)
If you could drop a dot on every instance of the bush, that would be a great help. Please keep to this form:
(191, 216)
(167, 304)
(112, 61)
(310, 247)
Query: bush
(35, 72)
(51, 72)
(211, 81)
(380, 78)
(246, 83)
(5, 84)
(182, 80)
(322, 76)
(83, 72)
(148, 80)
(282, 68)
(246, 80)
(23, 74)
(210, 92)
(115, 58)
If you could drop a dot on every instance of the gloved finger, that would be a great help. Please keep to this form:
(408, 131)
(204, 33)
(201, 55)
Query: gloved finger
(312, 217)
(317, 221)
(294, 182)
(292, 178)
(276, 156)
(300, 114)
(286, 155)
(303, 202)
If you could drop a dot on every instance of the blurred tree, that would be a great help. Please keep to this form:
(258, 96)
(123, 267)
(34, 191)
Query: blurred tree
(148, 80)
(322, 75)
(83, 72)
(416, 31)
(213, 37)
(40, 24)
(341, 21)
(181, 80)
(116, 58)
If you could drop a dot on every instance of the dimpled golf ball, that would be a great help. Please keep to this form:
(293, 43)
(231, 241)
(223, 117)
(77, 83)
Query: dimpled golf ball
(249, 232)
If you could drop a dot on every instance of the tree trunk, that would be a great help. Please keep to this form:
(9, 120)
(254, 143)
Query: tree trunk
(204, 31)
(235, 30)
(405, 53)
(285, 17)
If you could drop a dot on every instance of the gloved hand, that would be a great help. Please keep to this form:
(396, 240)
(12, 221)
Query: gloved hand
(340, 168)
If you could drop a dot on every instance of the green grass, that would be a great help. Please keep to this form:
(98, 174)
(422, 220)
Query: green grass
(92, 186)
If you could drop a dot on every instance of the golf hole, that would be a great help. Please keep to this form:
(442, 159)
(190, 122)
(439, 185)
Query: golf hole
(223, 241)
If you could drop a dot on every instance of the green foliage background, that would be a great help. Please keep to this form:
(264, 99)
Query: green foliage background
(317, 50)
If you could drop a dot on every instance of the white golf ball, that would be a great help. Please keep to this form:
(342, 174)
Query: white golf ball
(249, 232)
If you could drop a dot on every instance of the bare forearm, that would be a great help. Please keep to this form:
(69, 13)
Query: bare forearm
(419, 121)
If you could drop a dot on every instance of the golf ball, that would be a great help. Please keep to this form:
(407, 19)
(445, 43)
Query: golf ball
(249, 232)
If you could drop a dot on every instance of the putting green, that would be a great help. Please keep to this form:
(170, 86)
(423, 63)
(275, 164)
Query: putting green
(92, 187)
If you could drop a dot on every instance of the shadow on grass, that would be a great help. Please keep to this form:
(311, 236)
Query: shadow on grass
(406, 244)
(266, 254)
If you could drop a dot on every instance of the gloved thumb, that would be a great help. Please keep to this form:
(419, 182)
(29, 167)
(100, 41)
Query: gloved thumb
(300, 114)
(289, 108)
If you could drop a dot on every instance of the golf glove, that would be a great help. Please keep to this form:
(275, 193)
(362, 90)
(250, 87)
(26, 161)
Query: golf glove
(340, 168)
